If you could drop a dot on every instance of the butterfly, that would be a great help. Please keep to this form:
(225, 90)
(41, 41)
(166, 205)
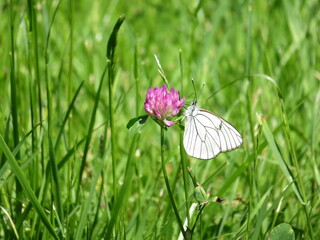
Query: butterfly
(206, 134)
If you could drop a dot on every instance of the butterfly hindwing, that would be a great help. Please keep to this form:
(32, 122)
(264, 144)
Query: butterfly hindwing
(206, 134)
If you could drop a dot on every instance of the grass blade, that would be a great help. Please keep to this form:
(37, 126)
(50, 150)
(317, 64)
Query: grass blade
(26, 187)
(90, 129)
(11, 222)
(111, 47)
(86, 205)
(66, 117)
(120, 200)
(56, 181)
(4, 173)
(14, 107)
(282, 163)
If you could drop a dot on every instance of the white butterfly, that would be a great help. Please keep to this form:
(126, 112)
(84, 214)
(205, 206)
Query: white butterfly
(206, 134)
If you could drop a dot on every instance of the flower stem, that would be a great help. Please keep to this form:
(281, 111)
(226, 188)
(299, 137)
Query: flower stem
(184, 174)
(164, 171)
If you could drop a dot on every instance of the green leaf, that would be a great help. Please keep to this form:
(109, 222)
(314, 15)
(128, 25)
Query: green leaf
(200, 195)
(282, 232)
(192, 176)
(135, 124)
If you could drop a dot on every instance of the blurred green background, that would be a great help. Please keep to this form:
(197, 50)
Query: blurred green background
(260, 64)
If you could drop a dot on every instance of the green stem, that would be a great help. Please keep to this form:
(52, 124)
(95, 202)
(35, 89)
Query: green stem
(184, 174)
(111, 120)
(136, 78)
(295, 163)
(182, 154)
(111, 47)
(70, 67)
(14, 107)
(250, 118)
(164, 171)
(197, 218)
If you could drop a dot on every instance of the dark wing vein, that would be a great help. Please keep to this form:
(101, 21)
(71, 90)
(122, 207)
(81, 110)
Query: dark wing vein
(200, 135)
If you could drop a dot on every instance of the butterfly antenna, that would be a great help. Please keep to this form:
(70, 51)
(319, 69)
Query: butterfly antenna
(194, 88)
(189, 96)
(204, 83)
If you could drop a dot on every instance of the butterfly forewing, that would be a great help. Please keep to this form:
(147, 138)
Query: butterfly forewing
(206, 134)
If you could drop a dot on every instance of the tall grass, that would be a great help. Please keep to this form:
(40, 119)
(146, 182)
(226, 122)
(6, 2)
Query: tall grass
(69, 167)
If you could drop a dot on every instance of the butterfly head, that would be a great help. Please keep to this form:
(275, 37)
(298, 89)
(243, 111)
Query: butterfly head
(192, 110)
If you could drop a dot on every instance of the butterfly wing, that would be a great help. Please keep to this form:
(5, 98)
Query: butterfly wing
(206, 134)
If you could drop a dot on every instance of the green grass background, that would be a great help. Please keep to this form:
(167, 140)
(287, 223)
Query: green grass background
(260, 64)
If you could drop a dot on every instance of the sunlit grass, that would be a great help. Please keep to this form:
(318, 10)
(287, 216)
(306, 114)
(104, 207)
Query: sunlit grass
(69, 167)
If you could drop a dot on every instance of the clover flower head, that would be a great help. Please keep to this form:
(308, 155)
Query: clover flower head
(162, 104)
